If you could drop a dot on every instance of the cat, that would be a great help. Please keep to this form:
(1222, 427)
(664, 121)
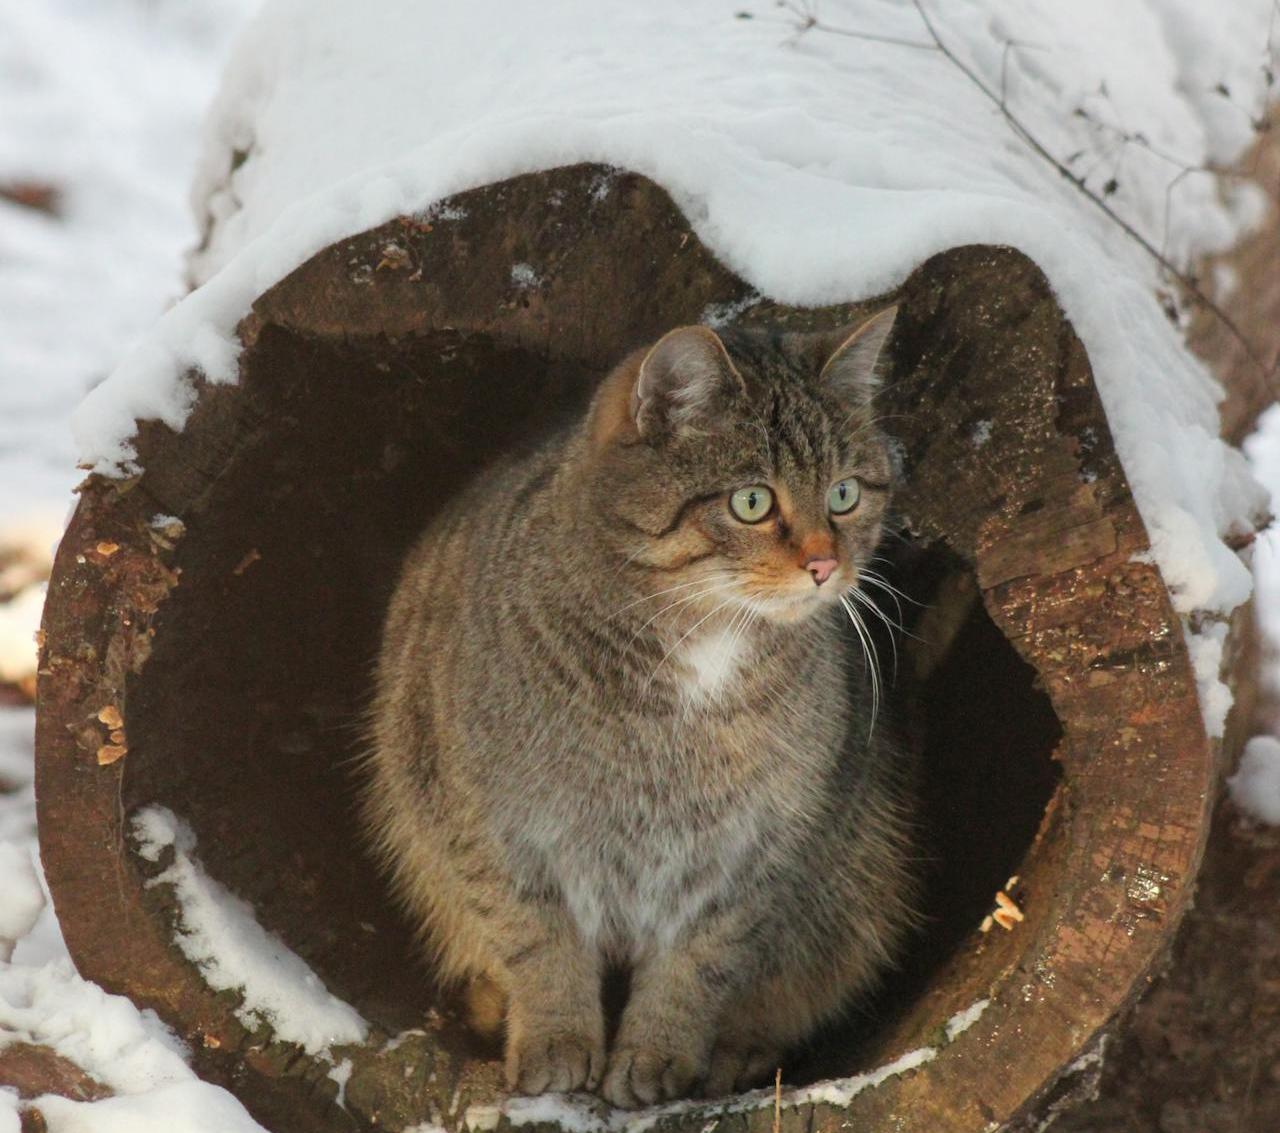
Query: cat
(612, 722)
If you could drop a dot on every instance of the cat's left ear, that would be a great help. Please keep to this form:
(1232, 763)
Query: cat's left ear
(685, 385)
(850, 374)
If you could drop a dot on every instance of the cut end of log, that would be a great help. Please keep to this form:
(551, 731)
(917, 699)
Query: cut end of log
(1054, 701)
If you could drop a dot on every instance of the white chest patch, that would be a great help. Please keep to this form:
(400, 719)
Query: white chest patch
(711, 662)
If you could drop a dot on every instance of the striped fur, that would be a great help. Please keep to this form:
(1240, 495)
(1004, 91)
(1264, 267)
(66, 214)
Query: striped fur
(613, 724)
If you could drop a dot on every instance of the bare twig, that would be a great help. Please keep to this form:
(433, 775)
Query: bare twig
(808, 20)
(1126, 137)
(1009, 45)
(1034, 143)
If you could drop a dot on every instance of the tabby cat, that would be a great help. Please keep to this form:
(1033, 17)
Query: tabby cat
(613, 722)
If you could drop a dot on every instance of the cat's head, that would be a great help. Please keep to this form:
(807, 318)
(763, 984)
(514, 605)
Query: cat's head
(749, 462)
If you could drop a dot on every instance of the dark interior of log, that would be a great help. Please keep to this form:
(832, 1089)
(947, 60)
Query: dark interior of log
(246, 720)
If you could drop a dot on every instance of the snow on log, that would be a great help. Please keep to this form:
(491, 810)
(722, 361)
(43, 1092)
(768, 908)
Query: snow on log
(380, 312)
(212, 620)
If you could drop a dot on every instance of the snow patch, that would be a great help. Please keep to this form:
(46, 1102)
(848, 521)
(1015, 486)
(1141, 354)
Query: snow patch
(963, 1020)
(19, 621)
(524, 276)
(1205, 648)
(1255, 787)
(1263, 451)
(100, 103)
(796, 160)
(221, 936)
(128, 1050)
(841, 1091)
(446, 212)
(17, 775)
(721, 314)
(21, 898)
(1226, 282)
(185, 1107)
(341, 1074)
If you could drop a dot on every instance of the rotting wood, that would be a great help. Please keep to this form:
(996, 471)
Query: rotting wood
(33, 1069)
(374, 379)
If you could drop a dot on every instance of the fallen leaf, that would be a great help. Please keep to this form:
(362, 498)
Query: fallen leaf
(109, 753)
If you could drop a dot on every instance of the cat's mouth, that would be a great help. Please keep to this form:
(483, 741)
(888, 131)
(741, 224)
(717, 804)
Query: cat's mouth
(798, 600)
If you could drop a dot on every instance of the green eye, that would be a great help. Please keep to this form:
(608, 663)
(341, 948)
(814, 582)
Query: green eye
(843, 496)
(751, 505)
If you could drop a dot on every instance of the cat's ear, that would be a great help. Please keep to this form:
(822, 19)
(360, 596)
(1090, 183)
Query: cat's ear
(685, 385)
(851, 373)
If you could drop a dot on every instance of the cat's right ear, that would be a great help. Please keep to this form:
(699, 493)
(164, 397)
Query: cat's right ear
(851, 373)
(685, 384)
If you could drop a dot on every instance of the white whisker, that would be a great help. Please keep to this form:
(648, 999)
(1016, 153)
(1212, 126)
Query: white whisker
(875, 580)
(686, 633)
(750, 615)
(869, 651)
(857, 595)
(659, 593)
(715, 589)
(884, 583)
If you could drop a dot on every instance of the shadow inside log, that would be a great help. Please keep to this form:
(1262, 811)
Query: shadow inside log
(985, 735)
(262, 660)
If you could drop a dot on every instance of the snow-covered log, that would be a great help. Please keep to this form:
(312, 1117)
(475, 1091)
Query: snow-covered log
(211, 623)
(380, 311)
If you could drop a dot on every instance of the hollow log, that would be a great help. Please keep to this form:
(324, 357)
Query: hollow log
(226, 605)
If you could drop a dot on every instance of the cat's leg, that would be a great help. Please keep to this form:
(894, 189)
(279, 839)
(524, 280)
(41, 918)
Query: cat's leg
(486, 1006)
(514, 943)
(668, 1028)
(555, 1021)
(836, 922)
(761, 1025)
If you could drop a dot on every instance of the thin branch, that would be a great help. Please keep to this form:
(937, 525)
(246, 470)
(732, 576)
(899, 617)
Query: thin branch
(808, 20)
(1034, 143)
(1137, 138)
(1127, 137)
(1009, 45)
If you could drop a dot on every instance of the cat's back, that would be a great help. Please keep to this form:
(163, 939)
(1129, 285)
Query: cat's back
(441, 614)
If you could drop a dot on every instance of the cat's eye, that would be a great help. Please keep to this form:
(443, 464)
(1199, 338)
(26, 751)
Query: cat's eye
(843, 496)
(753, 504)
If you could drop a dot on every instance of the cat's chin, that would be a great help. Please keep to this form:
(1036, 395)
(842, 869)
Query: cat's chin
(789, 608)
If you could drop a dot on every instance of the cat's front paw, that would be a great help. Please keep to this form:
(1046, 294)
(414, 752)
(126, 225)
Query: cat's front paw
(735, 1069)
(555, 1062)
(647, 1075)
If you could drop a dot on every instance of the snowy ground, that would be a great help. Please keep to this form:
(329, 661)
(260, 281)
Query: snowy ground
(100, 101)
(1256, 786)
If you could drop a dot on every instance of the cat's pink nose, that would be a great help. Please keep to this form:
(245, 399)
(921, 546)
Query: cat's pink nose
(820, 569)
